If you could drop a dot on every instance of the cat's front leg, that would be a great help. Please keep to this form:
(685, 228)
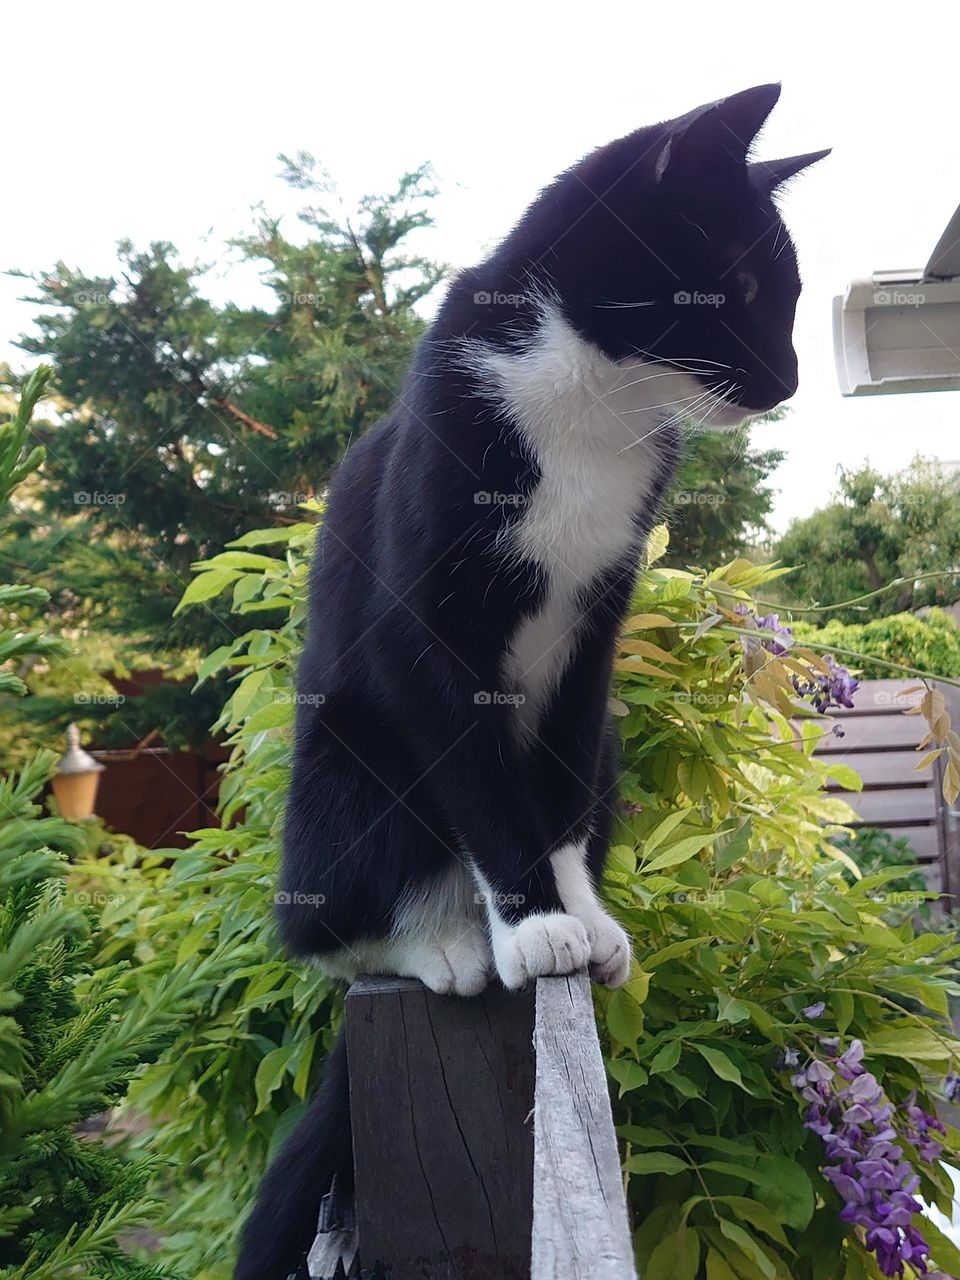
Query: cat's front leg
(610, 954)
(545, 943)
(540, 945)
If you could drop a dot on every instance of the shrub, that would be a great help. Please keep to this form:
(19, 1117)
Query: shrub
(66, 1049)
(724, 873)
(927, 644)
(756, 957)
(905, 896)
(233, 1083)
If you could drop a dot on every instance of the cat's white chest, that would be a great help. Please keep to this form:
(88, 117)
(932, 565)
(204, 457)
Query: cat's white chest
(592, 426)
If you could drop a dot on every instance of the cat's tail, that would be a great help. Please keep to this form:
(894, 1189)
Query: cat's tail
(283, 1223)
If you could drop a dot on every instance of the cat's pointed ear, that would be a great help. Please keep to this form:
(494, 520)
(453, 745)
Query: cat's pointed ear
(721, 131)
(767, 175)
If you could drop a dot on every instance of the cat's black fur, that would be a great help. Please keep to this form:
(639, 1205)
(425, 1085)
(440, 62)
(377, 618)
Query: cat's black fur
(398, 769)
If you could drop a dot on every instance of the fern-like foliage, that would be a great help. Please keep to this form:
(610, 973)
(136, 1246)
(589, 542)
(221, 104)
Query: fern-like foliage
(67, 1048)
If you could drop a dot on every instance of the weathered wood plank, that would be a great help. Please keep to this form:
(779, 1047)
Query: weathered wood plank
(894, 806)
(334, 1256)
(441, 1090)
(873, 732)
(950, 813)
(880, 744)
(580, 1226)
(884, 768)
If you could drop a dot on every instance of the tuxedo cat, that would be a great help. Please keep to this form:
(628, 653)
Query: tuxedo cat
(455, 769)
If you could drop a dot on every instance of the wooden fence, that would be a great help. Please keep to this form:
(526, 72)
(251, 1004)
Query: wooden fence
(156, 795)
(484, 1146)
(880, 744)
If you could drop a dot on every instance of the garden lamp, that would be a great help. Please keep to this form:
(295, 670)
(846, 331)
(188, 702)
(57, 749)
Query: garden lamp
(76, 779)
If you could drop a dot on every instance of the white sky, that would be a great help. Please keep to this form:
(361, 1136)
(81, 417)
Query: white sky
(163, 122)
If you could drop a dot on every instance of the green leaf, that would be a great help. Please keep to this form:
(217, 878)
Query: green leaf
(757, 1215)
(744, 1172)
(194, 941)
(628, 1074)
(624, 1011)
(786, 1190)
(713, 1142)
(660, 832)
(673, 950)
(213, 662)
(746, 1242)
(243, 560)
(666, 1058)
(675, 1258)
(841, 1002)
(730, 851)
(205, 586)
(680, 852)
(623, 859)
(683, 1085)
(913, 1043)
(273, 716)
(270, 1073)
(261, 537)
(845, 777)
(731, 1009)
(718, 1268)
(655, 1162)
(762, 1020)
(657, 542)
(246, 588)
(304, 1063)
(721, 1065)
(642, 1135)
(944, 1252)
(245, 692)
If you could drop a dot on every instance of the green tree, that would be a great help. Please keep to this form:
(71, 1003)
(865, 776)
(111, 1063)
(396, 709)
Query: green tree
(931, 643)
(720, 502)
(181, 424)
(877, 530)
(67, 1050)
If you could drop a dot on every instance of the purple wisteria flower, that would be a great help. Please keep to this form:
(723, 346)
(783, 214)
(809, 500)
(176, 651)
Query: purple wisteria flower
(919, 1125)
(835, 689)
(779, 639)
(857, 1124)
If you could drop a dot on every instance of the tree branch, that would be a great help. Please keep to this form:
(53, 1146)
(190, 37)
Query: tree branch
(260, 427)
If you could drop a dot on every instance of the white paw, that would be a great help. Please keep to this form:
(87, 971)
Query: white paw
(539, 945)
(610, 954)
(457, 963)
(470, 960)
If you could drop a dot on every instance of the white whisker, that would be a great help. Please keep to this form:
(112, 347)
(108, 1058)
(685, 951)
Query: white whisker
(612, 306)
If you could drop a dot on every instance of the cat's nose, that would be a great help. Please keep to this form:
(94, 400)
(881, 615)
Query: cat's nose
(763, 403)
(768, 389)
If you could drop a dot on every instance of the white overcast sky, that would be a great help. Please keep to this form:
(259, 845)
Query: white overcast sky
(164, 121)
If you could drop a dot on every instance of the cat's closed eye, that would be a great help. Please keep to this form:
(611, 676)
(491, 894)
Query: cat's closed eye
(748, 282)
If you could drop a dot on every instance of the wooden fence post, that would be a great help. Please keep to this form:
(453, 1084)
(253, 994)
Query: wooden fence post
(441, 1092)
(580, 1226)
(483, 1138)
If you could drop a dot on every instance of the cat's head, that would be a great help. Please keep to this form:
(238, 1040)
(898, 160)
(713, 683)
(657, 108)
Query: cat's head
(667, 245)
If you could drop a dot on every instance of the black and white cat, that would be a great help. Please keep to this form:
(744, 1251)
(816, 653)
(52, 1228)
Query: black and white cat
(455, 770)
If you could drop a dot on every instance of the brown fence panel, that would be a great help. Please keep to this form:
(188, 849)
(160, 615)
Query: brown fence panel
(879, 742)
(156, 795)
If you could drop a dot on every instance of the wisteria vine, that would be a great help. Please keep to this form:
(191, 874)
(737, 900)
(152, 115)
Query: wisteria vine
(862, 1133)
